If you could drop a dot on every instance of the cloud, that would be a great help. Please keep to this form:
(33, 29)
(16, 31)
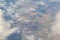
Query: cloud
(56, 24)
(4, 29)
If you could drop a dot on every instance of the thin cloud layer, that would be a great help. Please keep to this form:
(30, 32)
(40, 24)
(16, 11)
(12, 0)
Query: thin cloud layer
(31, 19)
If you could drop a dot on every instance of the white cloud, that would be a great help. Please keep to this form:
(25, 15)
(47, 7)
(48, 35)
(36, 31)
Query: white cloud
(56, 25)
(2, 0)
(40, 3)
(4, 28)
(2, 4)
